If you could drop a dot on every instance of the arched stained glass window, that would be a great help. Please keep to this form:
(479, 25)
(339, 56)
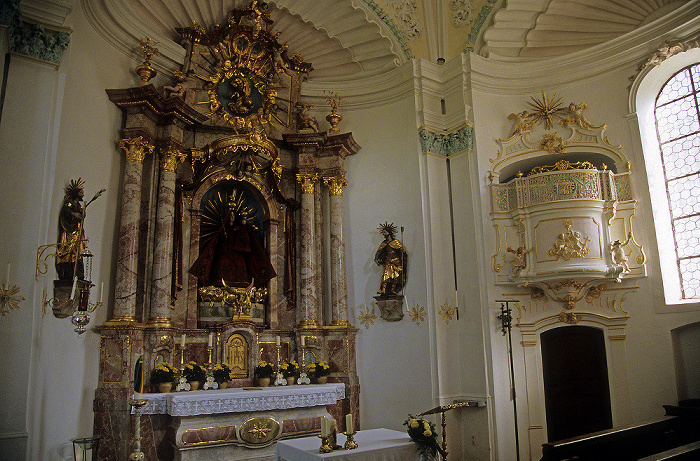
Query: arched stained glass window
(677, 114)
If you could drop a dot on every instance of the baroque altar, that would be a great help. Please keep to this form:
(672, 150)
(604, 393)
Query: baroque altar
(230, 192)
(231, 422)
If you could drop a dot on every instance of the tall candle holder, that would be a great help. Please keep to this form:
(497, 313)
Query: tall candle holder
(303, 377)
(279, 377)
(210, 383)
(182, 384)
(138, 404)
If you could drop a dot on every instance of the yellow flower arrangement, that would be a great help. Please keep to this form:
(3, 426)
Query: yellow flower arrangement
(194, 372)
(221, 373)
(289, 369)
(163, 373)
(319, 369)
(263, 370)
(422, 432)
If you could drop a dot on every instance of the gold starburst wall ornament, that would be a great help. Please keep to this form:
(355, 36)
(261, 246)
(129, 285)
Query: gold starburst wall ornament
(447, 312)
(9, 298)
(417, 314)
(367, 316)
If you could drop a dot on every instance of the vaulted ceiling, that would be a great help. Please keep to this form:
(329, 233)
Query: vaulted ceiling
(352, 39)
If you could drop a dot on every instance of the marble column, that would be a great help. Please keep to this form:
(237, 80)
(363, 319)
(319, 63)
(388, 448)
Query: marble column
(307, 257)
(161, 288)
(127, 252)
(339, 291)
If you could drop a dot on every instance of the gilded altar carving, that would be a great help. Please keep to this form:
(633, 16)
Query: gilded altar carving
(260, 430)
(237, 355)
(307, 182)
(135, 149)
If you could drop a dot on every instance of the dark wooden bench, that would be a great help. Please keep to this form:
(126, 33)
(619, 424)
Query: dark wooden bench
(679, 428)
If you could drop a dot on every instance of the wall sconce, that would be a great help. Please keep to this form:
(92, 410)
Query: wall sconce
(70, 298)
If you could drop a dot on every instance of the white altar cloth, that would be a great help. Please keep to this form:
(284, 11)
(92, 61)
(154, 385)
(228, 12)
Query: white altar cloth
(237, 400)
(373, 445)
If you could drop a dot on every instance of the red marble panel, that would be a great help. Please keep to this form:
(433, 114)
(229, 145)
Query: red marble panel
(336, 355)
(112, 360)
(301, 426)
(209, 435)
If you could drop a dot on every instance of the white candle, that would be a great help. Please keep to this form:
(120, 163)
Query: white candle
(7, 279)
(182, 341)
(456, 299)
(277, 341)
(102, 290)
(324, 427)
(75, 284)
(303, 341)
(348, 423)
(211, 339)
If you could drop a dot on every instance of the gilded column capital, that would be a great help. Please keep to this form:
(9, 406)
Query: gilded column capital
(307, 182)
(135, 148)
(170, 159)
(335, 184)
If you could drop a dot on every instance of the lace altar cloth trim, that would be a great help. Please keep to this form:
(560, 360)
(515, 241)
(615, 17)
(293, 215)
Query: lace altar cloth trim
(238, 400)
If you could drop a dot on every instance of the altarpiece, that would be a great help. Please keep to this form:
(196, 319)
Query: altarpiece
(227, 186)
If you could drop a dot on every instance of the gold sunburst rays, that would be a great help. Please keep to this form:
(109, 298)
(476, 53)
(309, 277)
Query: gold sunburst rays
(546, 109)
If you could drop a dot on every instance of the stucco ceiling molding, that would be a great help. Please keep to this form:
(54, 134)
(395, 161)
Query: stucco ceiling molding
(120, 26)
(542, 28)
(362, 93)
(342, 39)
(516, 76)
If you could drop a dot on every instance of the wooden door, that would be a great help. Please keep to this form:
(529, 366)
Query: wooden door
(576, 389)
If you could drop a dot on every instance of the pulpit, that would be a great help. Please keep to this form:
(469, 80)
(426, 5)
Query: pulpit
(241, 423)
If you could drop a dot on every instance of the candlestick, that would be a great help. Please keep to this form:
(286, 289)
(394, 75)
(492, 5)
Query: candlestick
(75, 284)
(350, 443)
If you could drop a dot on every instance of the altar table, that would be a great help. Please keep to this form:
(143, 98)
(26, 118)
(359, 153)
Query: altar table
(373, 445)
(241, 423)
(237, 399)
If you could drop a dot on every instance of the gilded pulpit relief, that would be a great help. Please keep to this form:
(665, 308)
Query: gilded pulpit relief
(569, 244)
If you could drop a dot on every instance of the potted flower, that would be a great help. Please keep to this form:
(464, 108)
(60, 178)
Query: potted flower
(422, 432)
(194, 374)
(263, 372)
(320, 371)
(222, 374)
(289, 370)
(163, 376)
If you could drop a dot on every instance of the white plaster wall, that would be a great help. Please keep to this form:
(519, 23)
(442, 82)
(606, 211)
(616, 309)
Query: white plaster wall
(394, 359)
(61, 126)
